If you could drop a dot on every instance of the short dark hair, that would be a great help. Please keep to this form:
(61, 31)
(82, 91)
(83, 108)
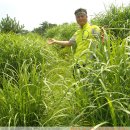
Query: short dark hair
(80, 10)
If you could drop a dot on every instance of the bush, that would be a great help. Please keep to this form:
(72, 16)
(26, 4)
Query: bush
(62, 32)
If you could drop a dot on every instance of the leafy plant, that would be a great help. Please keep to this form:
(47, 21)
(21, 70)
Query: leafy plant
(10, 25)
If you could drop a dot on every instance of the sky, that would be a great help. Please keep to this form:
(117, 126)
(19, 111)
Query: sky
(32, 13)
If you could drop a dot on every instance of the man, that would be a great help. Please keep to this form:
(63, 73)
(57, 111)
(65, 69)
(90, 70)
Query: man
(83, 36)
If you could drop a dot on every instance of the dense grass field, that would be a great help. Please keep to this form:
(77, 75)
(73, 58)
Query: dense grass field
(37, 86)
(40, 85)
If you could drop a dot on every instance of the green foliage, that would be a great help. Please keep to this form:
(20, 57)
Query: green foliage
(43, 27)
(103, 83)
(10, 25)
(115, 19)
(38, 87)
(25, 61)
(62, 32)
(16, 48)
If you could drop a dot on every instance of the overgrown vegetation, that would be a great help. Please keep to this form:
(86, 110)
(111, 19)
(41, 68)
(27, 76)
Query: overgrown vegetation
(116, 19)
(40, 86)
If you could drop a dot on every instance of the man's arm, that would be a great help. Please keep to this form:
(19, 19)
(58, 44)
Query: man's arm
(64, 43)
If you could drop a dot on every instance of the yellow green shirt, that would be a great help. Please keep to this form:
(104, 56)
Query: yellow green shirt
(83, 37)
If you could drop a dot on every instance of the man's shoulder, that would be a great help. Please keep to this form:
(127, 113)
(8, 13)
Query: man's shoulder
(95, 27)
(77, 32)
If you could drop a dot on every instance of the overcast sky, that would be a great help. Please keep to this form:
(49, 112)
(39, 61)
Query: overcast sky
(32, 13)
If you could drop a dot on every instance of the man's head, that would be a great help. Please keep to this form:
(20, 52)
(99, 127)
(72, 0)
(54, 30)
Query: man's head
(80, 11)
(81, 16)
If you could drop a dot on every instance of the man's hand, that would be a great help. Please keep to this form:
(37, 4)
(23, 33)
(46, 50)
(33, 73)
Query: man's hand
(51, 41)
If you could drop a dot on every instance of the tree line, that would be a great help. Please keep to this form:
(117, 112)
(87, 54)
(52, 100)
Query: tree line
(115, 19)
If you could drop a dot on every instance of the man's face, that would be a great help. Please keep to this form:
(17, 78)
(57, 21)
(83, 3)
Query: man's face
(81, 19)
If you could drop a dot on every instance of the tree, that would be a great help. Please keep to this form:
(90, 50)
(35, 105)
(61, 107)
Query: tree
(43, 27)
(10, 25)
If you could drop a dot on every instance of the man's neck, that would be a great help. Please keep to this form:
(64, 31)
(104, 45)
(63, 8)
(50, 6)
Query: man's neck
(82, 26)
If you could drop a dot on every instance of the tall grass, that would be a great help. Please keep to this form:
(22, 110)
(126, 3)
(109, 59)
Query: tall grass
(115, 18)
(38, 87)
(31, 76)
(106, 85)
